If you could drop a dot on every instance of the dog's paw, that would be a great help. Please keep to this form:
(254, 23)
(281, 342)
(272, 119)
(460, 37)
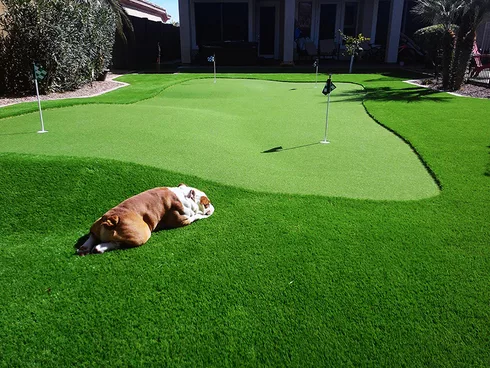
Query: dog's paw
(98, 249)
(83, 251)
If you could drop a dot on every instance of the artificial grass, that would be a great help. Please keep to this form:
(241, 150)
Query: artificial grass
(219, 131)
(270, 279)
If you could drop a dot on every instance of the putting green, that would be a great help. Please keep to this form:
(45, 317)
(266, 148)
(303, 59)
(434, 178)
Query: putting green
(219, 131)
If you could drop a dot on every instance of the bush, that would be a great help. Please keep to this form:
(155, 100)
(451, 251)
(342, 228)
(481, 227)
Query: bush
(71, 39)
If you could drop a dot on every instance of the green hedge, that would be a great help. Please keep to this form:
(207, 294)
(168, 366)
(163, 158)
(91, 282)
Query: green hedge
(71, 39)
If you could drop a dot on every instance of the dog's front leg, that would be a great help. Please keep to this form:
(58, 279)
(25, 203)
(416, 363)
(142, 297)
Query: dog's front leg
(87, 247)
(104, 247)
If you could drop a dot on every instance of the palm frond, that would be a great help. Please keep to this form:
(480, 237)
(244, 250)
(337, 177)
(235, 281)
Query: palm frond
(122, 18)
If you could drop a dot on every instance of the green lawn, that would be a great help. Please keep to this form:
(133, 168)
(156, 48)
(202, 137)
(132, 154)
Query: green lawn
(219, 131)
(383, 271)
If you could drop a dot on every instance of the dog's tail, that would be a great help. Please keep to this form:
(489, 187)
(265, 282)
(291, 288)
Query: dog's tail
(110, 221)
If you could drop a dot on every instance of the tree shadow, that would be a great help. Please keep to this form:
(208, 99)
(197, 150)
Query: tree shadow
(409, 94)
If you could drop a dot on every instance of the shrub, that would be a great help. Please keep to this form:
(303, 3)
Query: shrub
(71, 39)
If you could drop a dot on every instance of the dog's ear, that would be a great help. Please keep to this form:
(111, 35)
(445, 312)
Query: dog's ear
(182, 184)
(110, 221)
(205, 201)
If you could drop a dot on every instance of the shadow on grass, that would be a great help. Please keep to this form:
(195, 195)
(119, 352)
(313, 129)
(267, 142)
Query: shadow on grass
(280, 149)
(20, 133)
(408, 94)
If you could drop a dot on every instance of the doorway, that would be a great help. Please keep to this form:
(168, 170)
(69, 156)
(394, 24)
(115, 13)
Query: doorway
(268, 32)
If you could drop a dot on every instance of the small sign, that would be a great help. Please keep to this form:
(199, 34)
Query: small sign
(315, 64)
(211, 59)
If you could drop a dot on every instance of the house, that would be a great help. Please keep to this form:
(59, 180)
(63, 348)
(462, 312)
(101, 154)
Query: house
(273, 24)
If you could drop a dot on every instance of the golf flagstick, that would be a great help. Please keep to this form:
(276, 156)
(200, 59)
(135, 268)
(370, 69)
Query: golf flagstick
(329, 87)
(39, 74)
(315, 64)
(212, 59)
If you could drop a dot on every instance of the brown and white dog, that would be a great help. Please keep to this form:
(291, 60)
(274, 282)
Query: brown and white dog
(131, 222)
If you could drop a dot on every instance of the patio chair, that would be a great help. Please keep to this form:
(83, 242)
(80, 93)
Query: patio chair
(328, 48)
(311, 49)
(479, 64)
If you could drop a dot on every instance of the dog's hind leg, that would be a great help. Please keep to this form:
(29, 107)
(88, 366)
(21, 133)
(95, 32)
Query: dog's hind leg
(87, 247)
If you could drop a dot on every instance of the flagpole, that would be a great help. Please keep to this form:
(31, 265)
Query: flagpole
(326, 122)
(329, 90)
(316, 78)
(39, 104)
(214, 63)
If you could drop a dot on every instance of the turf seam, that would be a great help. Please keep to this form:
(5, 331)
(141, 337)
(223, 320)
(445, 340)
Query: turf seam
(409, 143)
(70, 102)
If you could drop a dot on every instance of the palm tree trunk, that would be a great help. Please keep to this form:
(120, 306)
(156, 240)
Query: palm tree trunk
(447, 57)
(462, 58)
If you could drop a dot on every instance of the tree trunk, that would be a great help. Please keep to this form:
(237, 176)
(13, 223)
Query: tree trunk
(462, 54)
(447, 57)
(351, 62)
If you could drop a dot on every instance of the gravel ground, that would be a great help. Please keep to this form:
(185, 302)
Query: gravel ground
(468, 90)
(92, 89)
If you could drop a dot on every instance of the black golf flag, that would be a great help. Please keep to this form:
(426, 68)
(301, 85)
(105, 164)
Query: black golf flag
(329, 86)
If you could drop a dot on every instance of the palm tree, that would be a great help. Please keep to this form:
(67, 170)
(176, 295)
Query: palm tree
(122, 18)
(472, 14)
(444, 12)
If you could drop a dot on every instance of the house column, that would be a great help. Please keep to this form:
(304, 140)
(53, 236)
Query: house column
(394, 29)
(185, 31)
(370, 18)
(289, 10)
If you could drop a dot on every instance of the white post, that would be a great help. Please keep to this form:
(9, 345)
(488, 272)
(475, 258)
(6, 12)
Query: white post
(40, 111)
(316, 77)
(214, 63)
(326, 122)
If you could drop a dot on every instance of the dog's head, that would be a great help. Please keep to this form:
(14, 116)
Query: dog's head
(199, 197)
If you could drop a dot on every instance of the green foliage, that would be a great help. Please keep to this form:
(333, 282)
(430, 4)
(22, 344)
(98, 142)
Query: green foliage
(353, 44)
(430, 38)
(72, 40)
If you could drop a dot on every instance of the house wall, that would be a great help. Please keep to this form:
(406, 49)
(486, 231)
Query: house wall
(483, 35)
(367, 14)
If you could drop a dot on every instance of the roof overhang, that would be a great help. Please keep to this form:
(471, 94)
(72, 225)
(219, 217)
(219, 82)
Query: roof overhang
(145, 9)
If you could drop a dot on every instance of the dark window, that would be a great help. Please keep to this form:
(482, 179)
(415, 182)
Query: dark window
(235, 22)
(350, 19)
(304, 19)
(328, 16)
(383, 22)
(217, 22)
(208, 22)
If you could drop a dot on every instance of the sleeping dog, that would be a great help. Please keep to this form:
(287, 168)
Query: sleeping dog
(131, 222)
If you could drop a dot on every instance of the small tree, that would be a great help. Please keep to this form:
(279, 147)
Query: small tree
(353, 46)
